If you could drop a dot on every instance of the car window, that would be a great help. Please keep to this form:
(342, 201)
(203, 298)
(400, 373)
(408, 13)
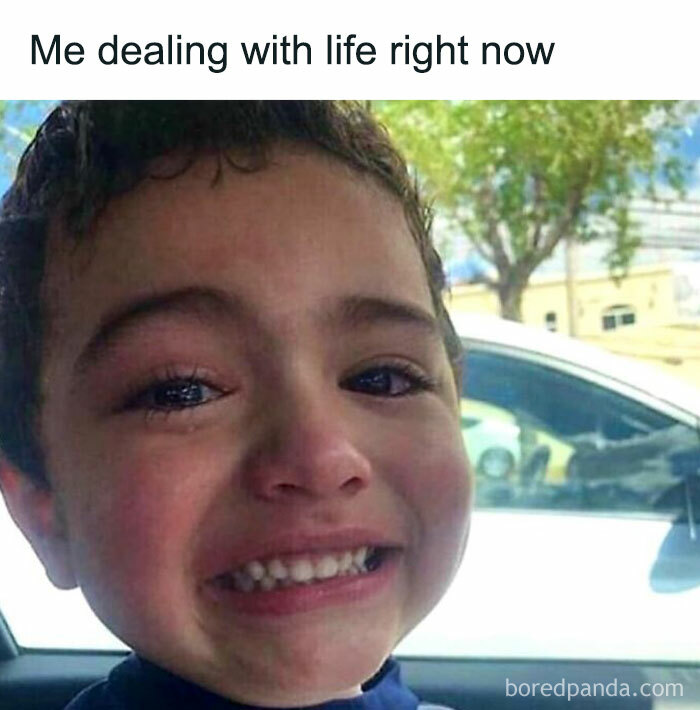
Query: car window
(38, 614)
(541, 437)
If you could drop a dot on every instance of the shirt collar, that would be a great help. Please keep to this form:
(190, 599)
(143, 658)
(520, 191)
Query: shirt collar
(140, 683)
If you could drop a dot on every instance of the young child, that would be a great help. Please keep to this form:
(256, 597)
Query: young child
(229, 397)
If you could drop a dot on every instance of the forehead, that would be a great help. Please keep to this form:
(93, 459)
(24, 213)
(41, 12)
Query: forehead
(300, 230)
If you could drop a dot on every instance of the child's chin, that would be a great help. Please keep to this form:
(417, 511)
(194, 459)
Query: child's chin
(335, 676)
(312, 671)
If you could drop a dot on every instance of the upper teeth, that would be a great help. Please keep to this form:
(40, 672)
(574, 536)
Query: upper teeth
(301, 570)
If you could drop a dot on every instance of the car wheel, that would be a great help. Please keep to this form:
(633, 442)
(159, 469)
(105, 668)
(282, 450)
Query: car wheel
(496, 463)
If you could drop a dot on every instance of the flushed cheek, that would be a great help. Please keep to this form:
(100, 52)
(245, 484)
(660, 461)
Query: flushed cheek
(434, 480)
(135, 545)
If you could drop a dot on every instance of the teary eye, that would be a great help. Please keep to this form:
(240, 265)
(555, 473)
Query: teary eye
(175, 393)
(390, 380)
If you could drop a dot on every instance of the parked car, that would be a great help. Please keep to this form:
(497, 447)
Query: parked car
(596, 431)
(492, 439)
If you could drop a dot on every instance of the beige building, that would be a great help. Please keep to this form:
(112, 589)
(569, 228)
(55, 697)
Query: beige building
(645, 297)
(637, 316)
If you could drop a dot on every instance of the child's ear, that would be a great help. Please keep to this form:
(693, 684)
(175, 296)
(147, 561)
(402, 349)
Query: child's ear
(35, 510)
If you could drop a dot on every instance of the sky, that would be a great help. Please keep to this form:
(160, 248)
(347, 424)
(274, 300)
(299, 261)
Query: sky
(20, 116)
(690, 148)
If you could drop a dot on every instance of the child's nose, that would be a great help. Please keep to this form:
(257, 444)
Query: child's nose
(306, 452)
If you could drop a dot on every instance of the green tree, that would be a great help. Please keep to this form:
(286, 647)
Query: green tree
(518, 177)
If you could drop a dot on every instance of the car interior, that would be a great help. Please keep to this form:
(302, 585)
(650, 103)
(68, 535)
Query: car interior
(584, 544)
(47, 680)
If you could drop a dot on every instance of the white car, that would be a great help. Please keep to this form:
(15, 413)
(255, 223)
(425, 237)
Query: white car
(605, 431)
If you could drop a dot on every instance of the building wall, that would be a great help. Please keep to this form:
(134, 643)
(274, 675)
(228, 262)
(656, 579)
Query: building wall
(660, 337)
(647, 290)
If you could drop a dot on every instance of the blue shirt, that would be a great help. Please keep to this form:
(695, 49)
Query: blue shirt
(137, 684)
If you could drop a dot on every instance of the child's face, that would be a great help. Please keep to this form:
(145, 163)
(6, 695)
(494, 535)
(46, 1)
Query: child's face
(283, 308)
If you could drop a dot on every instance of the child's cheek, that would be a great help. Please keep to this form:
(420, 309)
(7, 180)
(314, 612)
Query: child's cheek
(434, 479)
(139, 529)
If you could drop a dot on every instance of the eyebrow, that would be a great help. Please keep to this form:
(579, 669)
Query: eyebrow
(362, 310)
(193, 300)
(355, 311)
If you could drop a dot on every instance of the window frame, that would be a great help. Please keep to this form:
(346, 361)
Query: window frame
(9, 648)
(620, 315)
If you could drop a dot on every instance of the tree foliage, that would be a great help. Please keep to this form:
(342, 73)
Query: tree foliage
(517, 177)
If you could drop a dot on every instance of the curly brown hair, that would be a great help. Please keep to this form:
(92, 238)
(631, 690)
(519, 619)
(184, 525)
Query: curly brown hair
(87, 152)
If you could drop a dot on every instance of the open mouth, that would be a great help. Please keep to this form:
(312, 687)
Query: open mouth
(303, 570)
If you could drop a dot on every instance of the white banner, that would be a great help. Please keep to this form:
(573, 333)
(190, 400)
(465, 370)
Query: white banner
(362, 49)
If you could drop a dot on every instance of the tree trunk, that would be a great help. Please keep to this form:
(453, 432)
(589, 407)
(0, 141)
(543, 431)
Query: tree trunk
(510, 294)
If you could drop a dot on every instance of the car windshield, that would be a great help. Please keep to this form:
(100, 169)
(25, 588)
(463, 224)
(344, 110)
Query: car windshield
(580, 392)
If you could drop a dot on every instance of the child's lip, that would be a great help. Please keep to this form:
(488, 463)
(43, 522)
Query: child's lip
(297, 543)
